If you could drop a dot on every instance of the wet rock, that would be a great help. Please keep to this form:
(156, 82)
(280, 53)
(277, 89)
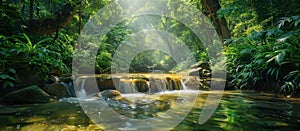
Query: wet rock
(201, 64)
(56, 79)
(114, 98)
(141, 84)
(28, 95)
(192, 82)
(112, 94)
(204, 85)
(58, 90)
(201, 69)
(106, 83)
(196, 83)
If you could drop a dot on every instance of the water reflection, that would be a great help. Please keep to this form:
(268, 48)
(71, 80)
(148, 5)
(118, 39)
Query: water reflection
(248, 111)
(237, 111)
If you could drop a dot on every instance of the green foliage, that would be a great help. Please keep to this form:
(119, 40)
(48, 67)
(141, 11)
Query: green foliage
(120, 34)
(103, 62)
(18, 52)
(6, 77)
(10, 19)
(150, 60)
(247, 16)
(260, 55)
(267, 59)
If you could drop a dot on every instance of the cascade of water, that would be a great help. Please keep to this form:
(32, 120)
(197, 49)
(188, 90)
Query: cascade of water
(157, 85)
(81, 92)
(183, 85)
(150, 86)
(179, 84)
(174, 84)
(69, 88)
(141, 85)
(163, 85)
(127, 86)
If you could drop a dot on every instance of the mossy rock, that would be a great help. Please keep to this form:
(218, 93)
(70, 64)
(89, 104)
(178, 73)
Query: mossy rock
(29, 95)
(111, 94)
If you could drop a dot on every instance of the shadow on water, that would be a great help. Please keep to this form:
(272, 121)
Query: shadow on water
(238, 110)
(50, 116)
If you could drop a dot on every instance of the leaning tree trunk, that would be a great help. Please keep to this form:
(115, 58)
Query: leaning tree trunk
(210, 8)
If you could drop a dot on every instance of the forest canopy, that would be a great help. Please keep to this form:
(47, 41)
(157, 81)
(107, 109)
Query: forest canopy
(261, 40)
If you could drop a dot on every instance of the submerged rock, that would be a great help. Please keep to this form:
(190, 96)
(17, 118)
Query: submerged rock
(111, 94)
(114, 98)
(28, 95)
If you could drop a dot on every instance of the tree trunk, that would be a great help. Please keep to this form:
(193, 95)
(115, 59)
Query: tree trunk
(210, 8)
(80, 20)
(80, 26)
(52, 25)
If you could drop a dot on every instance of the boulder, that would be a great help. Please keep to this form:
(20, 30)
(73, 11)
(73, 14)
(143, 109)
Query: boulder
(195, 83)
(192, 82)
(29, 95)
(106, 83)
(201, 69)
(115, 99)
(58, 90)
(112, 94)
(204, 65)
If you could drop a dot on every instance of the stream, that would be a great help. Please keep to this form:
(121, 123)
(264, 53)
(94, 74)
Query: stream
(238, 110)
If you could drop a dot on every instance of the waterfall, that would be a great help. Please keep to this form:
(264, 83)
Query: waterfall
(157, 85)
(80, 93)
(150, 86)
(69, 88)
(183, 85)
(126, 85)
(82, 90)
(174, 84)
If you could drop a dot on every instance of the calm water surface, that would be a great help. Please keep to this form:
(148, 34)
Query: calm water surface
(238, 110)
